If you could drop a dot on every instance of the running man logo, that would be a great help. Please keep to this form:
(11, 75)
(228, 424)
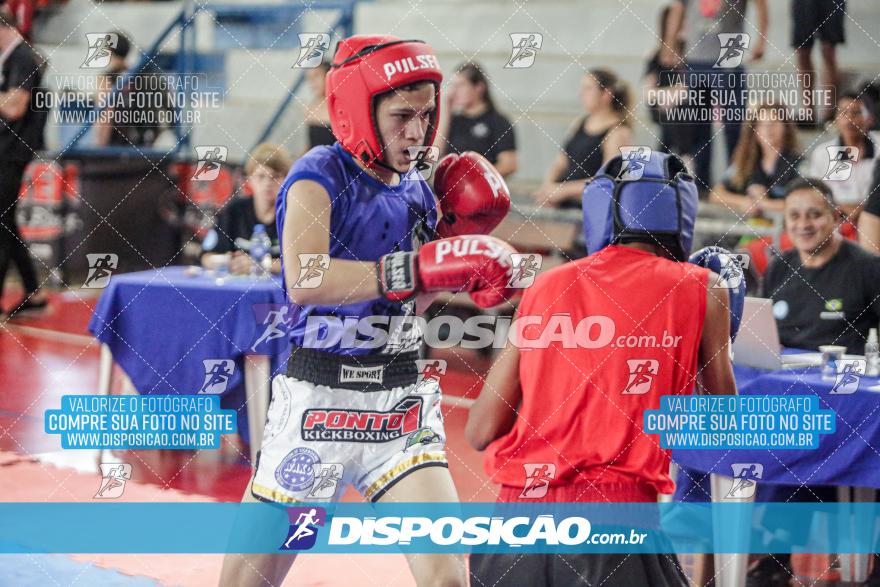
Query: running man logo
(113, 478)
(744, 480)
(634, 159)
(524, 269)
(100, 50)
(312, 47)
(422, 161)
(275, 321)
(733, 49)
(311, 270)
(430, 370)
(303, 531)
(538, 476)
(327, 479)
(217, 374)
(732, 270)
(840, 162)
(641, 376)
(101, 267)
(209, 158)
(525, 48)
(849, 374)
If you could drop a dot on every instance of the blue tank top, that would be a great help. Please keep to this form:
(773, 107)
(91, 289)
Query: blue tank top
(368, 219)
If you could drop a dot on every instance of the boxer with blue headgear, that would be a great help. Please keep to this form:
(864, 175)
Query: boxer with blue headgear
(657, 205)
(599, 342)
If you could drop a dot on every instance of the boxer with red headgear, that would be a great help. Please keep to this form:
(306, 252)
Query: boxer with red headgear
(345, 403)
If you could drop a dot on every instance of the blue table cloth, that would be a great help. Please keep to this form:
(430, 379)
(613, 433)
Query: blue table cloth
(163, 325)
(849, 456)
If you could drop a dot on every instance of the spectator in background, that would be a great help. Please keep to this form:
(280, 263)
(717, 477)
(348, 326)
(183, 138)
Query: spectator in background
(700, 22)
(475, 124)
(827, 289)
(764, 161)
(144, 99)
(852, 122)
(595, 139)
(265, 170)
(870, 93)
(869, 219)
(316, 116)
(674, 137)
(21, 136)
(822, 19)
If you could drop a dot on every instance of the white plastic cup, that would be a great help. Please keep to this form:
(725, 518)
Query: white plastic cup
(831, 357)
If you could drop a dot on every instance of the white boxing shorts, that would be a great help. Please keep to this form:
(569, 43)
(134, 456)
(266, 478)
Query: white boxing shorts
(336, 420)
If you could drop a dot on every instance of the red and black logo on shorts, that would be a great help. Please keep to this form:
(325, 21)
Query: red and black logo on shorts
(363, 425)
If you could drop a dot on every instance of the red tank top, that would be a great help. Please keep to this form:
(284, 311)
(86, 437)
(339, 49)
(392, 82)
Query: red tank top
(582, 407)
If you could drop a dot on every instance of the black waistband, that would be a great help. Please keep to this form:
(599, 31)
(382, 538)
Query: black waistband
(357, 373)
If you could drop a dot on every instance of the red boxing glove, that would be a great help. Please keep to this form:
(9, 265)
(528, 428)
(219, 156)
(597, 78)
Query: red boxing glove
(473, 196)
(477, 264)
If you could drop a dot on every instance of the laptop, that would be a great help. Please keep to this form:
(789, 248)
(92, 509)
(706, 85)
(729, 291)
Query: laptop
(757, 342)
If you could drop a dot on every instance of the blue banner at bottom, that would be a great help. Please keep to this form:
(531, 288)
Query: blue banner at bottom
(439, 528)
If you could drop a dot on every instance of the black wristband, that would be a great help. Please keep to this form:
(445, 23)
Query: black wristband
(398, 276)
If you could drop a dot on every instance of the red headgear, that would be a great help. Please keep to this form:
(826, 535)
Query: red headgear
(365, 67)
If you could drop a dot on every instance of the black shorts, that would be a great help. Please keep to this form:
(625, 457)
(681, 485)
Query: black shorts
(817, 18)
(548, 570)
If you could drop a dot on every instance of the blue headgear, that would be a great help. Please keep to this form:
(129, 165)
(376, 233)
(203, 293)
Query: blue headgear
(651, 200)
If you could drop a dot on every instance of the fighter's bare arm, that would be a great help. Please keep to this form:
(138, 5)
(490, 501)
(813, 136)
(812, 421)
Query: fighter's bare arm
(307, 230)
(494, 411)
(716, 370)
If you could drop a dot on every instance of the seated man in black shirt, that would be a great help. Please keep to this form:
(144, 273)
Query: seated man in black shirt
(827, 289)
(266, 168)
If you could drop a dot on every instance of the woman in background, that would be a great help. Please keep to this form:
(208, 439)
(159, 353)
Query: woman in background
(595, 139)
(475, 124)
(766, 158)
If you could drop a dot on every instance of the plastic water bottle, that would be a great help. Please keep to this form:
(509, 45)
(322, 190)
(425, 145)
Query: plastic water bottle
(872, 354)
(261, 250)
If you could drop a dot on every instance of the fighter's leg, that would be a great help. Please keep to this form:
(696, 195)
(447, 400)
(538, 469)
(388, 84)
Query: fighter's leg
(250, 569)
(430, 484)
(281, 437)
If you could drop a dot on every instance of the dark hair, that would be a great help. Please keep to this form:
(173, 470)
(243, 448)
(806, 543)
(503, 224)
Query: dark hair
(849, 96)
(621, 99)
(855, 97)
(407, 88)
(815, 184)
(473, 72)
(123, 45)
